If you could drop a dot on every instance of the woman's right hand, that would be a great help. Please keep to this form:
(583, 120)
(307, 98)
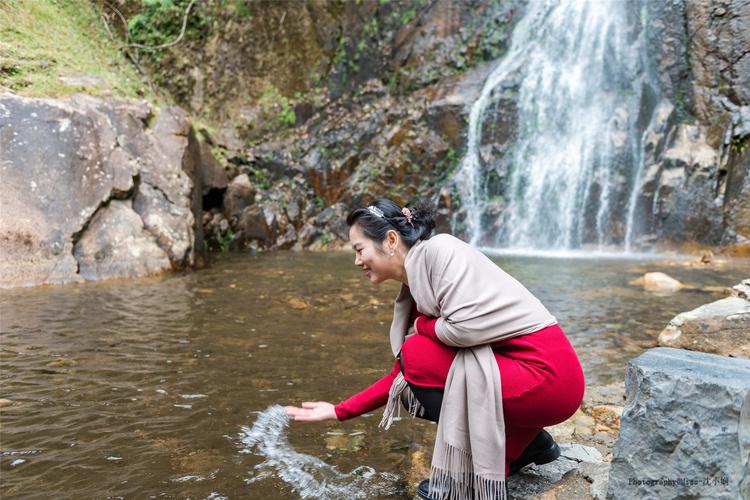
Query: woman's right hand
(311, 411)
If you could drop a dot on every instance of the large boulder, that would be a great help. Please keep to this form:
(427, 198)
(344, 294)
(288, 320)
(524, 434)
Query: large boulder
(720, 327)
(77, 177)
(685, 430)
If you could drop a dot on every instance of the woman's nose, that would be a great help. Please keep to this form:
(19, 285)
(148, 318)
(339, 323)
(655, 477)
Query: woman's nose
(357, 262)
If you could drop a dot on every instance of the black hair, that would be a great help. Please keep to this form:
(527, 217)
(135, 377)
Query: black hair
(376, 228)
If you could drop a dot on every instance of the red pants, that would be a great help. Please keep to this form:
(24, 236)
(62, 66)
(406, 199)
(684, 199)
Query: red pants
(542, 380)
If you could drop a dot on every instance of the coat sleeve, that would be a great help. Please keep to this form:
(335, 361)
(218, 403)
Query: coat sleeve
(369, 399)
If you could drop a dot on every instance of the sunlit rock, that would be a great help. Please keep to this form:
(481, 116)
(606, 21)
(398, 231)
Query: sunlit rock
(658, 282)
(721, 327)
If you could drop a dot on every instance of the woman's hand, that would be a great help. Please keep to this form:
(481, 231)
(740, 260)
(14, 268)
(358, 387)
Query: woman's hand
(311, 411)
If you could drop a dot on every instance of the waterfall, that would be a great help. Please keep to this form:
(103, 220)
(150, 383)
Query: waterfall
(577, 74)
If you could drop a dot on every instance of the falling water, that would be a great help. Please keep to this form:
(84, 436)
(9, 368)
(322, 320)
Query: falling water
(577, 73)
(308, 476)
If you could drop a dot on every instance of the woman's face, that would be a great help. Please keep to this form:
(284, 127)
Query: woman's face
(371, 257)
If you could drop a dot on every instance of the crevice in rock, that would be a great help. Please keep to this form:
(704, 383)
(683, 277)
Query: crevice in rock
(214, 198)
(114, 194)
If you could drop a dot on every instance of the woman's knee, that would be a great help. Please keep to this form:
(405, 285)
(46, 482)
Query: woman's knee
(426, 362)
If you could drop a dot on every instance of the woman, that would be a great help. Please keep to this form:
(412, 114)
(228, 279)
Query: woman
(476, 352)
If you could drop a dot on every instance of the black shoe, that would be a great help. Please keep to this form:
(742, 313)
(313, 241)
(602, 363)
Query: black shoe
(423, 490)
(542, 450)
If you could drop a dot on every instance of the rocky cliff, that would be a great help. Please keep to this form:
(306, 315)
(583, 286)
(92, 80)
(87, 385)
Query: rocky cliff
(96, 189)
(330, 104)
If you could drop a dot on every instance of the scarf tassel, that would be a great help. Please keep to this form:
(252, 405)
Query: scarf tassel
(456, 481)
(399, 392)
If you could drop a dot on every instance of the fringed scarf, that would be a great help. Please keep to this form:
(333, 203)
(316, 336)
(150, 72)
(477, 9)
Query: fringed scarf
(477, 304)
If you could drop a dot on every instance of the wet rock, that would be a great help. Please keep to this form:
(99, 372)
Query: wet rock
(116, 244)
(252, 226)
(345, 442)
(658, 282)
(299, 304)
(95, 152)
(720, 327)
(61, 362)
(685, 418)
(308, 234)
(288, 239)
(448, 112)
(419, 469)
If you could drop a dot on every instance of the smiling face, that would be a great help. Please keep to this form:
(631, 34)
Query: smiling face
(373, 258)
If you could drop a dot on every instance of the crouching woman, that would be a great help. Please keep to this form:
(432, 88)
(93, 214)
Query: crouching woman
(475, 352)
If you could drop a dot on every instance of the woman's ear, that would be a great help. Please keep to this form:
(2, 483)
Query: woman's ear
(392, 239)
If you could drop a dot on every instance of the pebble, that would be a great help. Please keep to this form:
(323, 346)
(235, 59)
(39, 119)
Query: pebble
(61, 362)
(298, 304)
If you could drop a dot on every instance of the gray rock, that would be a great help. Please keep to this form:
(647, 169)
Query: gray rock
(564, 478)
(64, 161)
(117, 245)
(721, 327)
(214, 176)
(685, 431)
(580, 453)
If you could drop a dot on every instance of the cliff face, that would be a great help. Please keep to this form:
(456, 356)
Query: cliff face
(298, 86)
(314, 107)
(697, 185)
(244, 65)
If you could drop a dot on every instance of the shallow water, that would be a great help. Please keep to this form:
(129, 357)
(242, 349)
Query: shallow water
(150, 388)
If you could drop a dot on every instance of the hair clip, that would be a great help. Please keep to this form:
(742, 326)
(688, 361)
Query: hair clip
(407, 214)
(375, 211)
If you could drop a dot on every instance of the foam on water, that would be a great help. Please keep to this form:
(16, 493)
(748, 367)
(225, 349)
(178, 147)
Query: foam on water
(307, 475)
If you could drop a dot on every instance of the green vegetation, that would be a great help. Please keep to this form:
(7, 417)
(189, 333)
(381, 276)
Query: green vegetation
(42, 41)
(270, 97)
(159, 22)
(739, 145)
(225, 240)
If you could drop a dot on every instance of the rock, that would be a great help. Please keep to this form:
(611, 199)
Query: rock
(721, 327)
(82, 80)
(252, 226)
(580, 453)
(658, 282)
(607, 416)
(214, 176)
(449, 108)
(742, 290)
(562, 479)
(117, 245)
(419, 469)
(240, 194)
(298, 304)
(685, 430)
(5, 402)
(61, 362)
(68, 162)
